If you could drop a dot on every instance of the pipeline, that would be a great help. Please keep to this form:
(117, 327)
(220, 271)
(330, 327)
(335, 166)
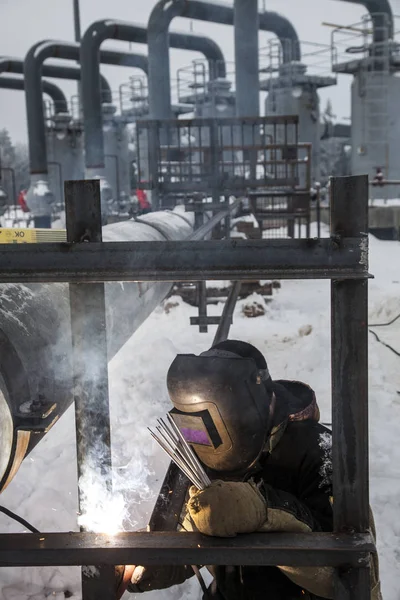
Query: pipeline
(381, 16)
(16, 65)
(162, 15)
(246, 25)
(33, 65)
(35, 340)
(94, 36)
(55, 93)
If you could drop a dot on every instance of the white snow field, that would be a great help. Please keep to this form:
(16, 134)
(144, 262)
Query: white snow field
(294, 335)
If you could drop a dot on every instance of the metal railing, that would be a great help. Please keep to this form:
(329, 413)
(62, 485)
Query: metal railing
(211, 155)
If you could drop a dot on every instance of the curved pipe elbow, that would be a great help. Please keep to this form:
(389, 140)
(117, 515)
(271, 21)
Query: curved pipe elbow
(57, 95)
(377, 9)
(106, 92)
(165, 10)
(53, 91)
(285, 32)
(206, 46)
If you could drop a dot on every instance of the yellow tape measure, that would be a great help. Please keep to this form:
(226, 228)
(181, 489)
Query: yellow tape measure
(31, 236)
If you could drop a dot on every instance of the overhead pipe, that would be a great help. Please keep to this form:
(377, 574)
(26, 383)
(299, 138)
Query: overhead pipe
(381, 16)
(246, 24)
(16, 65)
(55, 93)
(33, 66)
(36, 385)
(94, 36)
(216, 12)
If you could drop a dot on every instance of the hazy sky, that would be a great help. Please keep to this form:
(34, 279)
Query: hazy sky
(24, 22)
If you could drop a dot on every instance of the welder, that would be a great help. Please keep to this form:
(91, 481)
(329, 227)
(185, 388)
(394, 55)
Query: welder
(269, 460)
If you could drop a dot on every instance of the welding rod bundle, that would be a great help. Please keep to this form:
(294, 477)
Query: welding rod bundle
(172, 441)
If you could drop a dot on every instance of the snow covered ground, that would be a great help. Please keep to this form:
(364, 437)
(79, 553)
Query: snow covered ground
(44, 490)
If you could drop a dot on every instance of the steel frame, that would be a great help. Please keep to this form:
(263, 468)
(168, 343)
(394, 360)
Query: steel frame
(335, 258)
(344, 260)
(217, 156)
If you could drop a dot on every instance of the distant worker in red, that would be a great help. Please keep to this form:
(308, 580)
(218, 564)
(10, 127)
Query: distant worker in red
(22, 201)
(144, 204)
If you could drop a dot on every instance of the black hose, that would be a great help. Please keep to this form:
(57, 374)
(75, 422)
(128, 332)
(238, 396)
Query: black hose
(385, 324)
(384, 343)
(20, 520)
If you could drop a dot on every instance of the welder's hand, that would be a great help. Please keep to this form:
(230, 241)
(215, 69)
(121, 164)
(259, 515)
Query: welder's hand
(146, 579)
(123, 575)
(226, 508)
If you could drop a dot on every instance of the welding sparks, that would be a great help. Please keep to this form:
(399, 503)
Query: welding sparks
(103, 515)
(102, 511)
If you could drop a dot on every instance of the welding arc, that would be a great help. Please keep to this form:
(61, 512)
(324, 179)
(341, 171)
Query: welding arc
(20, 520)
(171, 440)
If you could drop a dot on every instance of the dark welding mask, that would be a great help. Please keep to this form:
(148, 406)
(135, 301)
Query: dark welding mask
(222, 406)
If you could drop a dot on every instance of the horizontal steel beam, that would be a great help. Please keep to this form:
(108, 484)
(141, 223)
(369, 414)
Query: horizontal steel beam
(185, 261)
(164, 548)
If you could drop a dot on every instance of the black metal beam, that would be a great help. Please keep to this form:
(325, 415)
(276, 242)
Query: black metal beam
(203, 321)
(184, 261)
(227, 313)
(90, 373)
(167, 509)
(349, 314)
(209, 225)
(161, 548)
(349, 582)
(349, 217)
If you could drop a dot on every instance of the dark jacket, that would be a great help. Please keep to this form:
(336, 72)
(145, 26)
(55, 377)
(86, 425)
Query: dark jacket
(295, 477)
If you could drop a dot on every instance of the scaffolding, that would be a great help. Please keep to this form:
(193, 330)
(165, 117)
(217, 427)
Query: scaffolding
(89, 262)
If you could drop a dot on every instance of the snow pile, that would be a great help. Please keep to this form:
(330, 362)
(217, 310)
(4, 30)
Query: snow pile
(384, 202)
(44, 490)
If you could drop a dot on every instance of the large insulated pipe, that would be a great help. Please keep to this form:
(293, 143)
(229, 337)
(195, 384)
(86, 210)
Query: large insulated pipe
(33, 65)
(94, 36)
(162, 15)
(55, 93)
(16, 65)
(381, 15)
(35, 340)
(246, 25)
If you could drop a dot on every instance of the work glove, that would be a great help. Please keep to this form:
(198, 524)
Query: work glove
(146, 579)
(226, 508)
(123, 575)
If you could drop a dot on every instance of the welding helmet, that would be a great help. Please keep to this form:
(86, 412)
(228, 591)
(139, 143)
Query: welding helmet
(222, 402)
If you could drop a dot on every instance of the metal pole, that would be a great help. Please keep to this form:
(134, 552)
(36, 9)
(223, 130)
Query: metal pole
(90, 372)
(77, 31)
(246, 58)
(227, 314)
(77, 20)
(349, 314)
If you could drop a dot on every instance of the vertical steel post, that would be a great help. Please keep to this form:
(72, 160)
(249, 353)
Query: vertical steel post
(77, 32)
(201, 285)
(90, 370)
(349, 328)
(77, 20)
(246, 20)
